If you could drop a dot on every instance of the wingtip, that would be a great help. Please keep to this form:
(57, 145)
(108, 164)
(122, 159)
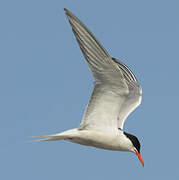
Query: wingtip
(66, 11)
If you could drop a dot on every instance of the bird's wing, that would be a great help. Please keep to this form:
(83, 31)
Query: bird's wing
(129, 105)
(103, 108)
(111, 90)
(109, 109)
(133, 99)
(103, 68)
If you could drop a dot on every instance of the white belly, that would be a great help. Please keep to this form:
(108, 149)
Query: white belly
(105, 140)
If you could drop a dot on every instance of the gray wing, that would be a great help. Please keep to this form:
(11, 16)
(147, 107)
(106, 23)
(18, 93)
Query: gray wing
(134, 97)
(99, 61)
(111, 88)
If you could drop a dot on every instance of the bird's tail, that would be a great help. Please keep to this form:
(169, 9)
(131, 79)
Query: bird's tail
(53, 137)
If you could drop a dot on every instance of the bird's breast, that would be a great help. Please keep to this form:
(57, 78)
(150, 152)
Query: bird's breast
(100, 139)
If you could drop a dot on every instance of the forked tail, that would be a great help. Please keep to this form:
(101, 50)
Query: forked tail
(59, 136)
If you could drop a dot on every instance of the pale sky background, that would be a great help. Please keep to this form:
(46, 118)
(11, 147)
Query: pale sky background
(45, 84)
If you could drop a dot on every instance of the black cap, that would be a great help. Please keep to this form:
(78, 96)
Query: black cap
(134, 141)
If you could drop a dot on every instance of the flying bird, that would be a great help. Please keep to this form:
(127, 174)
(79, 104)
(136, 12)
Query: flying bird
(116, 94)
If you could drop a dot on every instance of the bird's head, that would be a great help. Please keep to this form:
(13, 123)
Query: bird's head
(135, 146)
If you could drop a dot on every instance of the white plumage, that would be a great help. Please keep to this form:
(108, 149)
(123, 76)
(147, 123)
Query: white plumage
(116, 94)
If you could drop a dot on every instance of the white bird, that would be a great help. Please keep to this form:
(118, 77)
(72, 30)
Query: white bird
(116, 94)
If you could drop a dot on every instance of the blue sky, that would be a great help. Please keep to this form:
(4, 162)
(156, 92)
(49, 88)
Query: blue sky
(45, 85)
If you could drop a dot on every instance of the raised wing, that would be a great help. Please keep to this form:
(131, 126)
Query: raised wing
(133, 99)
(107, 108)
(111, 88)
(100, 63)
(103, 109)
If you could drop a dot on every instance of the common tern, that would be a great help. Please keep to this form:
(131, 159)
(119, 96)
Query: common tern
(116, 94)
